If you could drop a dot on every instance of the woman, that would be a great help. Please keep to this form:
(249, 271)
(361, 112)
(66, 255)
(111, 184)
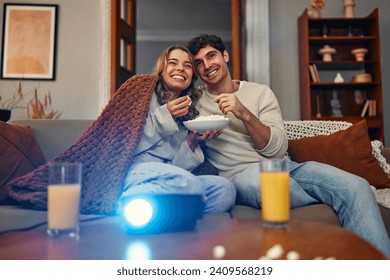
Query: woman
(167, 152)
(138, 144)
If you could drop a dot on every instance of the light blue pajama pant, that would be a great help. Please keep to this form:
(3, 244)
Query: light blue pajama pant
(218, 193)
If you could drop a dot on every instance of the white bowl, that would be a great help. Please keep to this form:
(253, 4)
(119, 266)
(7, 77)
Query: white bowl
(203, 125)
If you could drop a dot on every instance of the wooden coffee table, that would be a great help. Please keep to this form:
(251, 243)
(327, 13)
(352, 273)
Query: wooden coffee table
(242, 239)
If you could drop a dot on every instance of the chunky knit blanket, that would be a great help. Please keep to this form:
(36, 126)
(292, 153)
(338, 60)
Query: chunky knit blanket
(105, 149)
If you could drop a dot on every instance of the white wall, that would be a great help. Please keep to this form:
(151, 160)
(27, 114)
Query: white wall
(176, 22)
(78, 85)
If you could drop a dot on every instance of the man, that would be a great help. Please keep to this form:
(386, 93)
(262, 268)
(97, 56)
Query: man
(256, 132)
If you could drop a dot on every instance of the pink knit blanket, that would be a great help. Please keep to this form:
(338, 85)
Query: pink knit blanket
(105, 149)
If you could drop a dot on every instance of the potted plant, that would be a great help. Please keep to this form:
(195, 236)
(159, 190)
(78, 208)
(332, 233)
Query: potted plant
(7, 105)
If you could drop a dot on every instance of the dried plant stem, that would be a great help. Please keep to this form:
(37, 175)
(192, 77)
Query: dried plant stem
(13, 102)
(36, 109)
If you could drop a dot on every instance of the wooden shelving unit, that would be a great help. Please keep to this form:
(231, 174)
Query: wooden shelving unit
(344, 35)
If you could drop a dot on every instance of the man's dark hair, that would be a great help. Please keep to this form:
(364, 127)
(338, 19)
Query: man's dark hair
(199, 42)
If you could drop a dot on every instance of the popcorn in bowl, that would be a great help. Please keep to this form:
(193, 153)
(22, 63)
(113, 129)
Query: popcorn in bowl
(210, 118)
(207, 123)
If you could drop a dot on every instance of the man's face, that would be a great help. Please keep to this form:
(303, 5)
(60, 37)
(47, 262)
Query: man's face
(211, 65)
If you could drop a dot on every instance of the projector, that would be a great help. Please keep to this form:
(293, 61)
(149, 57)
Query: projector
(159, 213)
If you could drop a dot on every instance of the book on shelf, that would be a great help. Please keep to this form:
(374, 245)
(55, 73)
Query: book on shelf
(314, 73)
(369, 108)
(365, 108)
(372, 108)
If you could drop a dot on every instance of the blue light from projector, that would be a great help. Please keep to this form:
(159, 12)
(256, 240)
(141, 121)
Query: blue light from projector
(138, 250)
(138, 212)
(158, 213)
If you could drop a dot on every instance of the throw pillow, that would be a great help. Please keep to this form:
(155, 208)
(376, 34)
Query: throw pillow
(348, 149)
(19, 154)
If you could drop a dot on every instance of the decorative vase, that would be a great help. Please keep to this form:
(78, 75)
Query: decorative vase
(5, 115)
(359, 53)
(348, 8)
(338, 78)
(314, 13)
(327, 53)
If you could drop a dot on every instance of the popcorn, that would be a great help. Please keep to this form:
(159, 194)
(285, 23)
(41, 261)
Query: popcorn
(264, 258)
(210, 118)
(322, 258)
(219, 252)
(293, 255)
(275, 252)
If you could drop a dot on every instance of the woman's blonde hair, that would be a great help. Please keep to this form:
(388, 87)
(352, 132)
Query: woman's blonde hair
(191, 91)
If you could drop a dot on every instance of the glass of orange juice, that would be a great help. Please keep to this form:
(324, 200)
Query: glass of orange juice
(274, 190)
(64, 199)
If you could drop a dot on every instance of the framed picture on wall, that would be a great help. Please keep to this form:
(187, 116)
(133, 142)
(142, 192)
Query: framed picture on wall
(29, 41)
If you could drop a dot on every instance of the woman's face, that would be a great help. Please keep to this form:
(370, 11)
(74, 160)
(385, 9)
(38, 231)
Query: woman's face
(178, 73)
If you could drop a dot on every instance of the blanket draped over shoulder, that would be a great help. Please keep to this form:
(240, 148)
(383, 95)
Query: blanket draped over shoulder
(105, 149)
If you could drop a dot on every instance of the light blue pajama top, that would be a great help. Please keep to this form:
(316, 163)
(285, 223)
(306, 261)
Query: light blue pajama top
(164, 140)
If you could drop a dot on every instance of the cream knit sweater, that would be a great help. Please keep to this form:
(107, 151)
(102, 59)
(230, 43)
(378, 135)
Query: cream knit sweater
(233, 151)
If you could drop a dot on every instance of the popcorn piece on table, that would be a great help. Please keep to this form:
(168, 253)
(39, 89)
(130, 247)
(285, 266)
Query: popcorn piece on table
(275, 252)
(293, 255)
(219, 252)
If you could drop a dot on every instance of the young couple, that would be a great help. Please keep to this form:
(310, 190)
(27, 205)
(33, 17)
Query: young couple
(139, 144)
(256, 132)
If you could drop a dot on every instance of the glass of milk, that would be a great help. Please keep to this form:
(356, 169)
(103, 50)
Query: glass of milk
(64, 199)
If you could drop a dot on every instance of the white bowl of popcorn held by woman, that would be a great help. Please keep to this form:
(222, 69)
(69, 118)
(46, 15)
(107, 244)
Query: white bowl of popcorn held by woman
(202, 124)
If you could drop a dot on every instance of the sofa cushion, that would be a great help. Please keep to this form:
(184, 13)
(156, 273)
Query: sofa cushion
(348, 149)
(305, 128)
(385, 152)
(385, 213)
(19, 153)
(382, 155)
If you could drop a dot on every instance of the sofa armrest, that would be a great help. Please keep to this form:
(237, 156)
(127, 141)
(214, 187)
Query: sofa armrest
(386, 153)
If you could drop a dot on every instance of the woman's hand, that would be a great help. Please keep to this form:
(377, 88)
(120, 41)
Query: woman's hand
(179, 107)
(193, 137)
